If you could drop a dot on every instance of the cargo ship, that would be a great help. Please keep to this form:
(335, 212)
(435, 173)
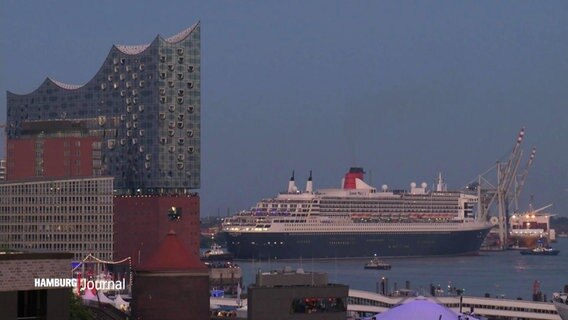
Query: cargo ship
(526, 229)
(357, 220)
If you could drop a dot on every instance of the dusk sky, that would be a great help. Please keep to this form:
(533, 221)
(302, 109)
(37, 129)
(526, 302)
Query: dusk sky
(405, 89)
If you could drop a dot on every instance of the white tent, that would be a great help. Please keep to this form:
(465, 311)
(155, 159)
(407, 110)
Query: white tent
(89, 295)
(420, 308)
(120, 304)
(103, 298)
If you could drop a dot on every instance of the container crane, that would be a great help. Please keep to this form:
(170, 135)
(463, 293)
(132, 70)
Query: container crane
(506, 174)
(520, 180)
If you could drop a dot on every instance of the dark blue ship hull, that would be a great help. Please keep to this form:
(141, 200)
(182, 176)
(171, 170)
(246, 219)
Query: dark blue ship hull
(261, 246)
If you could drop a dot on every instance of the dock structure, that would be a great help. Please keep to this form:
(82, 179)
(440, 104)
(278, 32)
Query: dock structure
(369, 302)
(366, 302)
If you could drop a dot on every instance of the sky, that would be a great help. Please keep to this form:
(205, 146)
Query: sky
(405, 89)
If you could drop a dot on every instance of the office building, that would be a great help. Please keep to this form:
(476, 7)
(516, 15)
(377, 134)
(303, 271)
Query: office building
(295, 294)
(73, 215)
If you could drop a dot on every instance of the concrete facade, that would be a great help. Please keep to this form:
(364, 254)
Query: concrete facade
(73, 215)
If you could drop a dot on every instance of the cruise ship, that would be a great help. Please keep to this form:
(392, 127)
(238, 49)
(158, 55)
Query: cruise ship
(357, 220)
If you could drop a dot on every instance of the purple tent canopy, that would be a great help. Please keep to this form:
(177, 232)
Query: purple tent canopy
(420, 308)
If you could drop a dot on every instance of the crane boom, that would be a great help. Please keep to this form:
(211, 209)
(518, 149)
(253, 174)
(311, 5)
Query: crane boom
(522, 178)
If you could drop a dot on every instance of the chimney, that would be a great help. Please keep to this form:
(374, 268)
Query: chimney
(310, 184)
(292, 184)
(350, 181)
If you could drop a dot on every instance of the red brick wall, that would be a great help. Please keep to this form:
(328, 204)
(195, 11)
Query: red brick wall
(165, 298)
(72, 160)
(141, 222)
(20, 162)
(62, 158)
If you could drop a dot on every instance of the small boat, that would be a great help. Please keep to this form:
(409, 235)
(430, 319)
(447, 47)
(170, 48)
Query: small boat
(377, 264)
(540, 251)
(216, 253)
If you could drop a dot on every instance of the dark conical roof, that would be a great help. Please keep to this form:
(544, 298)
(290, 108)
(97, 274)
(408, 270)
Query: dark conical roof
(172, 255)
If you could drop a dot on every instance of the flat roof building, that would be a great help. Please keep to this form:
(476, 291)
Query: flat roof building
(290, 294)
(21, 298)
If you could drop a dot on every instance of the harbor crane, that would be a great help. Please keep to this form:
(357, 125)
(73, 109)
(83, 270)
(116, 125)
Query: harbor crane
(520, 179)
(503, 192)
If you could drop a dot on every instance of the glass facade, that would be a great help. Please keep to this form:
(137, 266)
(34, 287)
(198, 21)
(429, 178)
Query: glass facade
(146, 103)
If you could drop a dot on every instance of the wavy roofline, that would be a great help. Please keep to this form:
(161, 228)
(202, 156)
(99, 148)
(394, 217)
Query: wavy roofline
(126, 49)
(61, 85)
(66, 86)
(137, 49)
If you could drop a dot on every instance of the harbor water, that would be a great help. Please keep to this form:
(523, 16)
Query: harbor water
(506, 274)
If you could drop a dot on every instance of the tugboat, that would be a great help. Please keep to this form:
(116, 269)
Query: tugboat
(541, 250)
(216, 253)
(377, 264)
